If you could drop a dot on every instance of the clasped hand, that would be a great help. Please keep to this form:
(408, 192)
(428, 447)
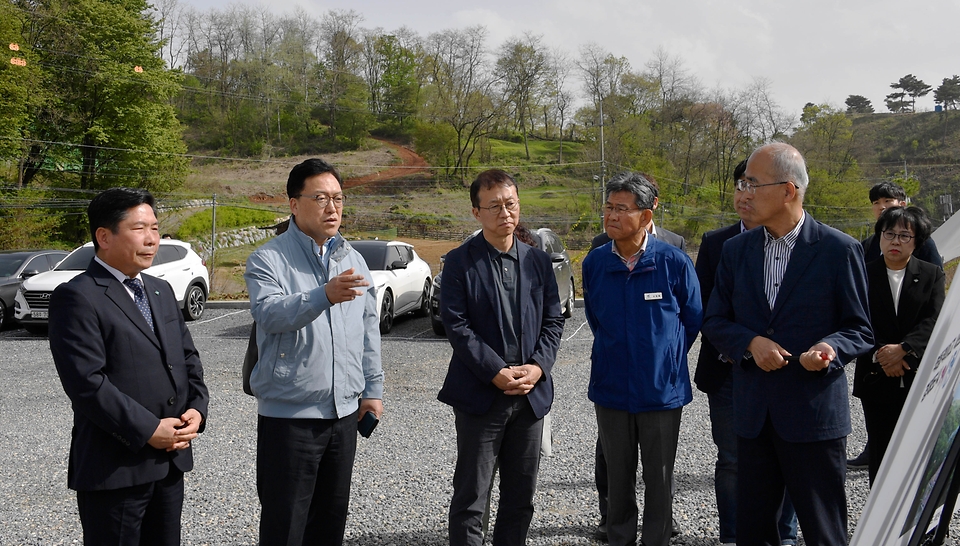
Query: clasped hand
(345, 287)
(518, 380)
(890, 358)
(174, 433)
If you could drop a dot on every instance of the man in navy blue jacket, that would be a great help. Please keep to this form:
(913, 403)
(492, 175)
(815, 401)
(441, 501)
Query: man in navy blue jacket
(643, 304)
(501, 311)
(789, 309)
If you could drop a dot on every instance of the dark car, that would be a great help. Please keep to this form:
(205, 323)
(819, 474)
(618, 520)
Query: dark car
(547, 241)
(17, 265)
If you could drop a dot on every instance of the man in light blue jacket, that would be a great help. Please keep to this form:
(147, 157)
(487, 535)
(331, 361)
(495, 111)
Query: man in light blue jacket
(642, 300)
(319, 369)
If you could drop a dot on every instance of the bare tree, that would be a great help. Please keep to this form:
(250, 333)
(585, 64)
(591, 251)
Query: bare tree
(462, 91)
(522, 66)
(558, 72)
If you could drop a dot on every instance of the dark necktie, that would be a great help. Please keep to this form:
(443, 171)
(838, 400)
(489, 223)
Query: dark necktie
(140, 298)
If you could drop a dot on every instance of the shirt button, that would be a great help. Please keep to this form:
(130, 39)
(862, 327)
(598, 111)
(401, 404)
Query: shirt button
(172, 401)
(169, 366)
(769, 331)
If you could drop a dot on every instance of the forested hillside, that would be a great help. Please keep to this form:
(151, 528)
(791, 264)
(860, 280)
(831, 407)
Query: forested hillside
(99, 94)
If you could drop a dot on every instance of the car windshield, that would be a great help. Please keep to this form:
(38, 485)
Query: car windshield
(10, 263)
(375, 256)
(78, 260)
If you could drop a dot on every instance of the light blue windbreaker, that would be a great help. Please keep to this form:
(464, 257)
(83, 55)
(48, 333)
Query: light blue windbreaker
(316, 359)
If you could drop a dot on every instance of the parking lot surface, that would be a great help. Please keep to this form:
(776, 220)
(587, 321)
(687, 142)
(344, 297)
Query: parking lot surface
(402, 480)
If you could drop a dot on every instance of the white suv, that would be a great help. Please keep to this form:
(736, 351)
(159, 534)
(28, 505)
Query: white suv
(174, 262)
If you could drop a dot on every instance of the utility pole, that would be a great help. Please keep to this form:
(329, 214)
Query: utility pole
(213, 240)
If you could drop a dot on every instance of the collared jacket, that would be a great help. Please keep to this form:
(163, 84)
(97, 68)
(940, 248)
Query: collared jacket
(472, 316)
(644, 322)
(316, 359)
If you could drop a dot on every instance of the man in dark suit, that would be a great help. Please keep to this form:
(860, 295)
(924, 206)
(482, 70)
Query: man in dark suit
(713, 378)
(501, 311)
(795, 290)
(128, 364)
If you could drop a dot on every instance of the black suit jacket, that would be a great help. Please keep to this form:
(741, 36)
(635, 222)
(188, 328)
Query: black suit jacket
(122, 378)
(471, 314)
(711, 370)
(921, 297)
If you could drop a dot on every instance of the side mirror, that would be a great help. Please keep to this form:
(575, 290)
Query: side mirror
(29, 273)
(557, 257)
(398, 264)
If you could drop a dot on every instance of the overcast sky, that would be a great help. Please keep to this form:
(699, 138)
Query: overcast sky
(810, 51)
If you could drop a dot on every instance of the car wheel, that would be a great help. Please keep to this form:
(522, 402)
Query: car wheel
(386, 313)
(194, 302)
(424, 308)
(36, 329)
(4, 316)
(571, 302)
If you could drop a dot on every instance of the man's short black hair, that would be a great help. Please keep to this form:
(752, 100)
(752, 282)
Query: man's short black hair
(739, 170)
(488, 179)
(303, 171)
(911, 217)
(110, 207)
(887, 190)
(643, 191)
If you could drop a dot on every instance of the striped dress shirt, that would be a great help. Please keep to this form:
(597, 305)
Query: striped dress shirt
(776, 256)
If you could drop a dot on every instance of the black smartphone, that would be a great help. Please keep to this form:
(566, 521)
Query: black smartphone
(367, 424)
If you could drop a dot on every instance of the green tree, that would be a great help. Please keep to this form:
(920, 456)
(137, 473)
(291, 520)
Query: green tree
(28, 219)
(108, 119)
(948, 93)
(907, 86)
(837, 186)
(462, 92)
(858, 104)
(21, 84)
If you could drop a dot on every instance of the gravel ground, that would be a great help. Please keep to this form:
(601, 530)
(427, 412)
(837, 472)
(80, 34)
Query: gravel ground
(402, 480)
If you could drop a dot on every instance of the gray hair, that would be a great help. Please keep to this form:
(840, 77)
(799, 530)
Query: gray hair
(642, 190)
(788, 164)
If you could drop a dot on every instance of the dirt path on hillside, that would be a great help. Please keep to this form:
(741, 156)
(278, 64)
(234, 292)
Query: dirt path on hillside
(411, 164)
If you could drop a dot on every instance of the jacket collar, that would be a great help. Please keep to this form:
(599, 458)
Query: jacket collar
(117, 293)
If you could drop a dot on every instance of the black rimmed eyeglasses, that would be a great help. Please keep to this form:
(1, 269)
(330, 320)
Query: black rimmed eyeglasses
(904, 238)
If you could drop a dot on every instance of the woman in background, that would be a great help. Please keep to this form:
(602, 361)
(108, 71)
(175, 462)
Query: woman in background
(906, 295)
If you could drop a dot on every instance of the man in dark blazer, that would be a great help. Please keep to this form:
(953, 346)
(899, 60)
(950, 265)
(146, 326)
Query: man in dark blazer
(501, 311)
(713, 377)
(129, 366)
(795, 290)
